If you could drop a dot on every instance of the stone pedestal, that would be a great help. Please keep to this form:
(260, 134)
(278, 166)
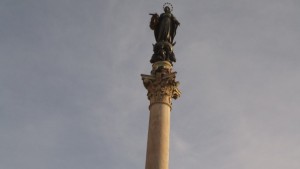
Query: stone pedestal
(162, 87)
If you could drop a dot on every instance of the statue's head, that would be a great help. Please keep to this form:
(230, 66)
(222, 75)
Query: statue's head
(168, 7)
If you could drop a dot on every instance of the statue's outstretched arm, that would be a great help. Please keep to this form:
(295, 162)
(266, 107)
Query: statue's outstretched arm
(154, 20)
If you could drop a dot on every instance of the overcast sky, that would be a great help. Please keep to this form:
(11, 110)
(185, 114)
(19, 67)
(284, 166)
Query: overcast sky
(71, 95)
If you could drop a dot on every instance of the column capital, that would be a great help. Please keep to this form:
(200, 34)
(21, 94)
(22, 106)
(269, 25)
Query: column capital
(161, 84)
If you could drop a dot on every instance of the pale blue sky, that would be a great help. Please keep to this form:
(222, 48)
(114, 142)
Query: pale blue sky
(71, 95)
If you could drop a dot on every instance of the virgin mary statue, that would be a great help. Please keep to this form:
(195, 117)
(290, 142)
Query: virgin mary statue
(164, 26)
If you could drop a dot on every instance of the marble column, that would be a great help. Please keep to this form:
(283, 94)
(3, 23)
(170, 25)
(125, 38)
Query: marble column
(162, 87)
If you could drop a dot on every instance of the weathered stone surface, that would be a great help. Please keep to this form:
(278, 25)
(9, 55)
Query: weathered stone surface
(158, 137)
(162, 87)
(161, 84)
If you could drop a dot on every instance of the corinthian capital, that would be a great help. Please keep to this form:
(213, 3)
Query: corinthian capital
(161, 84)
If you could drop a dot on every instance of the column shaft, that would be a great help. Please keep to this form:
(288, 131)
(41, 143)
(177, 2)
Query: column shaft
(162, 87)
(158, 137)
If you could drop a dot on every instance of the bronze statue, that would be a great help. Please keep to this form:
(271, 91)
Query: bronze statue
(164, 27)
